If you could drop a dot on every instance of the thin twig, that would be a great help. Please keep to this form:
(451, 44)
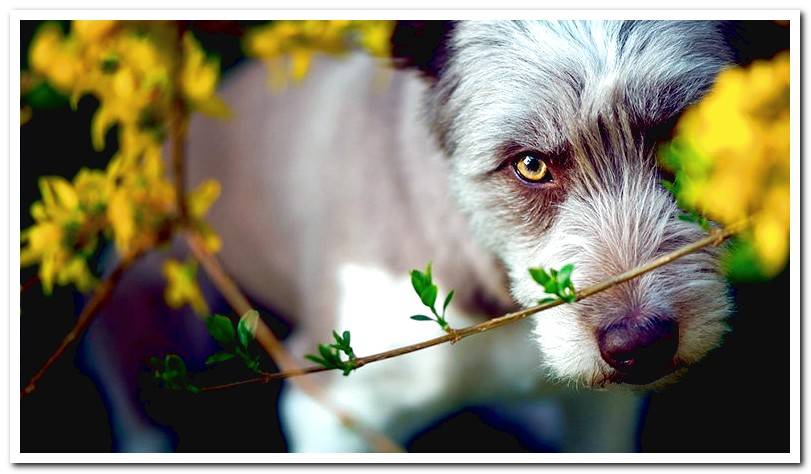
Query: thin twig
(29, 283)
(100, 296)
(716, 237)
(179, 130)
(276, 350)
(179, 125)
(237, 300)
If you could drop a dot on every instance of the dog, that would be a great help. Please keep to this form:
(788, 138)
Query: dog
(492, 147)
(497, 146)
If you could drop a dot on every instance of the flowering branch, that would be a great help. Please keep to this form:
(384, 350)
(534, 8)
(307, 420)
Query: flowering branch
(715, 237)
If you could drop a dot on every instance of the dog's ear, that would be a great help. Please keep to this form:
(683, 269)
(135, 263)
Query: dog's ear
(421, 44)
(755, 39)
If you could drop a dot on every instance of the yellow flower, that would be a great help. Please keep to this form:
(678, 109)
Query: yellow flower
(199, 77)
(128, 66)
(55, 238)
(76, 271)
(92, 30)
(731, 155)
(53, 56)
(376, 37)
(181, 288)
(199, 201)
(91, 189)
(298, 41)
(121, 214)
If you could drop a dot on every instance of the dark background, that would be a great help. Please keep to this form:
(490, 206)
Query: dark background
(736, 400)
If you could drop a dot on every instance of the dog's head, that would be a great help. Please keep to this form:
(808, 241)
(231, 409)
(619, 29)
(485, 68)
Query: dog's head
(551, 129)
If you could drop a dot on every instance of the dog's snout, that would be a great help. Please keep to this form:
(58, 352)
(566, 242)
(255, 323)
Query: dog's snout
(641, 349)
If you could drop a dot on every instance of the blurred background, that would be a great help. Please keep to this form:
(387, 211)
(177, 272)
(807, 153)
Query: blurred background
(736, 400)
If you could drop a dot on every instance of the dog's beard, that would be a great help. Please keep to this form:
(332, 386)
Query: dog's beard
(606, 235)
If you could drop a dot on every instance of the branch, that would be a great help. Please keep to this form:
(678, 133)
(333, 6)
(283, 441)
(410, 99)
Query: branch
(716, 237)
(29, 283)
(100, 296)
(237, 300)
(178, 129)
(275, 349)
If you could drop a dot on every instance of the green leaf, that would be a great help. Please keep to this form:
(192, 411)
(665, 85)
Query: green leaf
(428, 276)
(741, 262)
(192, 388)
(253, 364)
(568, 296)
(447, 301)
(327, 354)
(418, 281)
(109, 64)
(175, 364)
(564, 275)
(695, 218)
(346, 338)
(428, 296)
(246, 329)
(421, 317)
(219, 357)
(45, 96)
(539, 275)
(348, 367)
(221, 329)
(316, 359)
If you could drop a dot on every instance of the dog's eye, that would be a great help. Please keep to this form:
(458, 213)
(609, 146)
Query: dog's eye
(532, 169)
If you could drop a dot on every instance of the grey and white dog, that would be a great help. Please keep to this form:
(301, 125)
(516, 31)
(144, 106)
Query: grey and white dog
(497, 146)
(523, 144)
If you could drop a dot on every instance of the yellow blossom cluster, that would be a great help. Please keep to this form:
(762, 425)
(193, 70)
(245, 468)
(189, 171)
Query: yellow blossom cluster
(288, 46)
(182, 286)
(129, 67)
(131, 202)
(731, 156)
(141, 73)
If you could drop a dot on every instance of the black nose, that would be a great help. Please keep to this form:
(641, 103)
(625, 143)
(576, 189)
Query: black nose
(641, 349)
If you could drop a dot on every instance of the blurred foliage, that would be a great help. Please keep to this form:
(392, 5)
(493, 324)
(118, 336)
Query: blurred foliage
(145, 75)
(128, 66)
(730, 155)
(289, 46)
(181, 287)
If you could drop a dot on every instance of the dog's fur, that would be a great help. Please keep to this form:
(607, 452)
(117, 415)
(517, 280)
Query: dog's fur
(353, 184)
(336, 188)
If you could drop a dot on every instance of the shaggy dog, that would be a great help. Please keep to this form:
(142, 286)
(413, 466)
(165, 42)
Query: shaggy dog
(495, 147)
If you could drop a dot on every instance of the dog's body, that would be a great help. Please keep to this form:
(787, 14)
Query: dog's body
(352, 183)
(336, 188)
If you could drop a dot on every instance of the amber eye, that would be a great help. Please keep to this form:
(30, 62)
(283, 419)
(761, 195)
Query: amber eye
(532, 169)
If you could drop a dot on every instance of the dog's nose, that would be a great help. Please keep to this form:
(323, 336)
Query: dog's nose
(640, 349)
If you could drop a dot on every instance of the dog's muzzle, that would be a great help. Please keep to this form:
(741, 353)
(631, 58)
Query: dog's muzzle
(640, 349)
